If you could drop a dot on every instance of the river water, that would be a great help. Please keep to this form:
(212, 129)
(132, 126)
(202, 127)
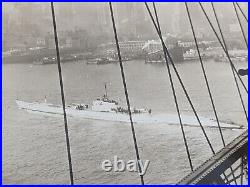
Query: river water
(34, 149)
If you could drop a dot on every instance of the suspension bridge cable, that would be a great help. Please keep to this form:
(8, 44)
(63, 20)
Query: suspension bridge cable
(174, 93)
(243, 14)
(225, 46)
(227, 54)
(62, 95)
(217, 20)
(241, 27)
(205, 75)
(206, 81)
(126, 93)
(180, 80)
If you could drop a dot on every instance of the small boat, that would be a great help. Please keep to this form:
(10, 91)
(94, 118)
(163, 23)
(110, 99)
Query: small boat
(154, 57)
(154, 61)
(98, 61)
(53, 60)
(193, 55)
(106, 60)
(223, 58)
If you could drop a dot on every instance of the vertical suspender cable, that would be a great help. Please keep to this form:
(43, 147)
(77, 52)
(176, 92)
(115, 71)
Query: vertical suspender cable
(226, 49)
(173, 90)
(62, 95)
(204, 74)
(180, 80)
(242, 11)
(126, 93)
(241, 27)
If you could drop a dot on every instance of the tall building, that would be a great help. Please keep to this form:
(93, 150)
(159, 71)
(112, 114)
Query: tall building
(65, 16)
(199, 21)
(132, 21)
(175, 19)
(103, 14)
(169, 17)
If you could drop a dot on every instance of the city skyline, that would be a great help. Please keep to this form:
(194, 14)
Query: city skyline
(24, 21)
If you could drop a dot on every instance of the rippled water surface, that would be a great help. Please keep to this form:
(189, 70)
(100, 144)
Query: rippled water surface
(34, 149)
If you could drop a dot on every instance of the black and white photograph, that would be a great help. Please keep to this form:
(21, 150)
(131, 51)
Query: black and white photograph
(125, 93)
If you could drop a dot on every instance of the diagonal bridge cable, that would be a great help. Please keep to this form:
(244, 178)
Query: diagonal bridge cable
(207, 84)
(241, 27)
(126, 93)
(166, 51)
(174, 93)
(62, 95)
(231, 64)
(204, 74)
(169, 56)
(224, 49)
(243, 14)
(225, 45)
(180, 80)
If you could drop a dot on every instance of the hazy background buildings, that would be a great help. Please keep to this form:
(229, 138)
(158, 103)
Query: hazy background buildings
(88, 25)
